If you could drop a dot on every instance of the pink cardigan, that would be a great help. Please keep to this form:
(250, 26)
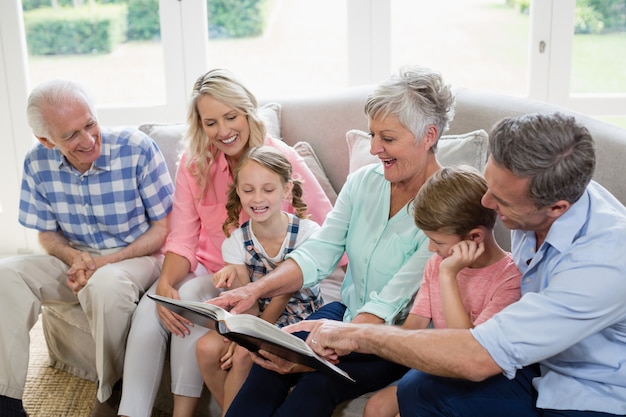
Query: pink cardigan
(196, 224)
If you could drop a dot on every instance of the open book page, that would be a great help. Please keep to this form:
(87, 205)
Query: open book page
(252, 326)
(251, 332)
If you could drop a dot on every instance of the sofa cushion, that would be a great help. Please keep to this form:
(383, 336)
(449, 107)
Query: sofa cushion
(168, 136)
(305, 150)
(469, 148)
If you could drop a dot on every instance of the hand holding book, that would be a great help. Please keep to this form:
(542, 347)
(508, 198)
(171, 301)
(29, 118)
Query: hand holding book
(251, 332)
(277, 364)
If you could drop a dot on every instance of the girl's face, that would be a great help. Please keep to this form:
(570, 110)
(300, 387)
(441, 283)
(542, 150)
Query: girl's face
(226, 127)
(403, 157)
(261, 191)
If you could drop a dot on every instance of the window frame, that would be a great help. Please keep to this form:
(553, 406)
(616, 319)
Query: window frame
(185, 46)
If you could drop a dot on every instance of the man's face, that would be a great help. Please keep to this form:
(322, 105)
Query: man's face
(507, 194)
(75, 132)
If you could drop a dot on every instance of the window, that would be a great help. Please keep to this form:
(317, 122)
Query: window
(302, 49)
(319, 46)
(474, 43)
(141, 59)
(598, 53)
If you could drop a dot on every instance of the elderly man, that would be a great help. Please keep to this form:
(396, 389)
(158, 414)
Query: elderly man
(99, 199)
(561, 349)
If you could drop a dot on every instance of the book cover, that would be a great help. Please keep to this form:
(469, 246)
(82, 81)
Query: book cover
(251, 332)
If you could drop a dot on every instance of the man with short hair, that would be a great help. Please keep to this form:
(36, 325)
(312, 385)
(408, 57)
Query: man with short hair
(99, 199)
(561, 349)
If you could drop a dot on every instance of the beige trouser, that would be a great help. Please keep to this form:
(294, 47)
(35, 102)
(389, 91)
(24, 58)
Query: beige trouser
(109, 300)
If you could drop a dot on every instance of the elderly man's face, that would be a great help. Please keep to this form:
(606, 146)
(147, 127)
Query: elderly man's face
(74, 130)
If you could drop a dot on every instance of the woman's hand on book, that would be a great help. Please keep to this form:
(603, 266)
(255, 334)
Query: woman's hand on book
(238, 300)
(175, 323)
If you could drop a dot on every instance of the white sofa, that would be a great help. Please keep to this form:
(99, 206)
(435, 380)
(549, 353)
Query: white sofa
(322, 122)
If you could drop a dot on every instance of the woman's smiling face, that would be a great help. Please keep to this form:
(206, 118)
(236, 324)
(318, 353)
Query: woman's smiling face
(226, 127)
(401, 154)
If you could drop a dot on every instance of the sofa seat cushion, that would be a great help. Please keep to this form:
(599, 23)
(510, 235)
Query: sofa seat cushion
(71, 347)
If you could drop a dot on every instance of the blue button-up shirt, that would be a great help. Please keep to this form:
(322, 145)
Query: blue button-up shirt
(108, 206)
(571, 318)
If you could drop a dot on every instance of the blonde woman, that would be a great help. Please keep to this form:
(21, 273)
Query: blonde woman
(222, 124)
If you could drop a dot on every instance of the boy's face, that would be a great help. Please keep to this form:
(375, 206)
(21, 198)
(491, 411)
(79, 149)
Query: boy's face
(440, 242)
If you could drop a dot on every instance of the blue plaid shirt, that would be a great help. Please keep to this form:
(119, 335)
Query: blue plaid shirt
(108, 206)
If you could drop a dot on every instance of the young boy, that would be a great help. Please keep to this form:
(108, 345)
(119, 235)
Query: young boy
(469, 278)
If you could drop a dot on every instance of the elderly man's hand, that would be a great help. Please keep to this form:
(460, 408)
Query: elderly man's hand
(82, 268)
(328, 338)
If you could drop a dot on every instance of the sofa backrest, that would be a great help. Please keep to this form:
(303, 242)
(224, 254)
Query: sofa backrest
(482, 109)
(324, 120)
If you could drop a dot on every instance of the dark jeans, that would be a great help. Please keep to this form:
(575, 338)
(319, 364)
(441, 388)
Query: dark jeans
(314, 394)
(421, 394)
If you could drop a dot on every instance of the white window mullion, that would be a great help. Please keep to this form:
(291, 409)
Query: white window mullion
(173, 110)
(172, 40)
(369, 41)
(540, 47)
(561, 53)
(195, 42)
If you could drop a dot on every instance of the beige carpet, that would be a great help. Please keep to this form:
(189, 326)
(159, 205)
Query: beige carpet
(51, 392)
(54, 393)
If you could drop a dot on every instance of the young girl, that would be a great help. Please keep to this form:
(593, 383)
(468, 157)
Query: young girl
(262, 180)
(469, 278)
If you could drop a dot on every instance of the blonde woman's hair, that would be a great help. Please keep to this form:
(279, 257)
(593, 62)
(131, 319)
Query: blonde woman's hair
(222, 86)
(450, 202)
(276, 162)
